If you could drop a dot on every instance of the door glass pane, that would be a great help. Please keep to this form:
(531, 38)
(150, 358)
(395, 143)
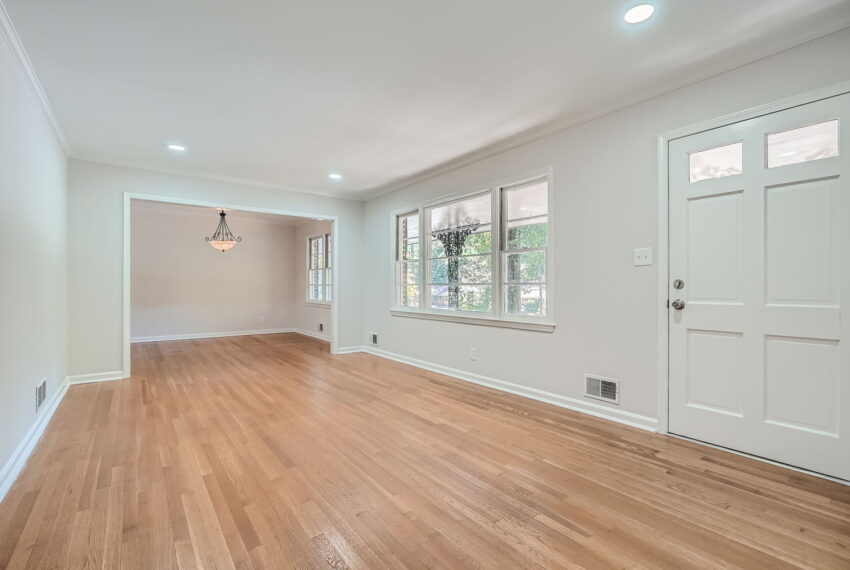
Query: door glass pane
(528, 300)
(802, 145)
(717, 162)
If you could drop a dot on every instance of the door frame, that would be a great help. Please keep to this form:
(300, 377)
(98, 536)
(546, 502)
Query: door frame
(127, 250)
(663, 242)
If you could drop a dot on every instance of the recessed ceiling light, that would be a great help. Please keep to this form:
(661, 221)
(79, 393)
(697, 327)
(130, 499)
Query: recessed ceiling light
(639, 13)
(335, 176)
(177, 147)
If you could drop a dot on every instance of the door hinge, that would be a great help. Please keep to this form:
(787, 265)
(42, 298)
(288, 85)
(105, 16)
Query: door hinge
(668, 303)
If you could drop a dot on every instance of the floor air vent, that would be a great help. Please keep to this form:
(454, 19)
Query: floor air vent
(601, 388)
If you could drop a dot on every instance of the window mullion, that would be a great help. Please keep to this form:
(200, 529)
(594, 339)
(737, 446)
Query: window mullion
(496, 270)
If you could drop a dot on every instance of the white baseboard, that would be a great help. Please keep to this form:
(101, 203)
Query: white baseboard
(349, 349)
(96, 377)
(19, 458)
(317, 335)
(591, 408)
(191, 336)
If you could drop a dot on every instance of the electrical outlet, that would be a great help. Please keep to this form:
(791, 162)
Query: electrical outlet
(373, 339)
(473, 353)
(321, 327)
(643, 256)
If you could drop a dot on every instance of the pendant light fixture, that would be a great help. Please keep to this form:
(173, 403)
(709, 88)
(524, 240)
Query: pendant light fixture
(223, 239)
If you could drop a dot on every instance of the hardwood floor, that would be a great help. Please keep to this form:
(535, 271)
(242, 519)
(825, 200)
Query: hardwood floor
(267, 452)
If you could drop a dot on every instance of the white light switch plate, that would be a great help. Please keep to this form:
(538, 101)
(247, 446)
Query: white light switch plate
(643, 256)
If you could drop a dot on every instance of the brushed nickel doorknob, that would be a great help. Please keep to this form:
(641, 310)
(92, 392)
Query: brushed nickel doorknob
(678, 304)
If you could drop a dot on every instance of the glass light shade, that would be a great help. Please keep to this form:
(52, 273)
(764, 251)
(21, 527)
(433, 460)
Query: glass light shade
(223, 245)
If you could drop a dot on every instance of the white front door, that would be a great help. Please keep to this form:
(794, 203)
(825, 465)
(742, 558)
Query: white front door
(760, 239)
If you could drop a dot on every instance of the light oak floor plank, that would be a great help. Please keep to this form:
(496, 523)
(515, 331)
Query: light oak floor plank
(268, 452)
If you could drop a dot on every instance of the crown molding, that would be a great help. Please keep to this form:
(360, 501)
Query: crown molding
(7, 30)
(557, 125)
(209, 176)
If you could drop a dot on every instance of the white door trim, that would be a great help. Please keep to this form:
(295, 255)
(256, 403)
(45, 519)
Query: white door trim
(130, 196)
(664, 217)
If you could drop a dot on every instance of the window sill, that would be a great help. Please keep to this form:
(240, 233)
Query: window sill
(529, 326)
(321, 304)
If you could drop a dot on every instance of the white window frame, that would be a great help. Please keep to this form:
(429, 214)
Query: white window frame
(498, 316)
(327, 270)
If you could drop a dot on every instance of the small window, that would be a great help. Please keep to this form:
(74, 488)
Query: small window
(407, 259)
(717, 162)
(803, 144)
(460, 255)
(525, 242)
(319, 274)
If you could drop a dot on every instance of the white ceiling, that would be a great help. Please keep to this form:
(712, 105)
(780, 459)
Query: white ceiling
(284, 92)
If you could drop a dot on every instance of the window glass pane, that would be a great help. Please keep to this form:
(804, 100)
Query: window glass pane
(469, 213)
(315, 276)
(408, 236)
(526, 300)
(526, 200)
(320, 253)
(526, 267)
(407, 282)
(527, 234)
(314, 291)
(717, 162)
(410, 249)
(408, 296)
(476, 298)
(328, 290)
(328, 249)
(328, 275)
(409, 226)
(802, 145)
(525, 211)
(472, 269)
(314, 253)
(461, 242)
(408, 273)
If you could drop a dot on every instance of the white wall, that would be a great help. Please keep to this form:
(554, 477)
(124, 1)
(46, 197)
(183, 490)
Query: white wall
(33, 257)
(309, 315)
(95, 289)
(181, 286)
(605, 206)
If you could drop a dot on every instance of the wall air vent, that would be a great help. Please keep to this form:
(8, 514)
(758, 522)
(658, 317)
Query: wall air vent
(599, 388)
(40, 394)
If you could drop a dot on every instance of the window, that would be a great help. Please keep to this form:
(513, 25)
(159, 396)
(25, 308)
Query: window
(460, 255)
(319, 274)
(407, 259)
(803, 144)
(717, 162)
(525, 242)
(481, 256)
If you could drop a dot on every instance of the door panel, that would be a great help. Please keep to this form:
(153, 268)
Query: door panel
(759, 358)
